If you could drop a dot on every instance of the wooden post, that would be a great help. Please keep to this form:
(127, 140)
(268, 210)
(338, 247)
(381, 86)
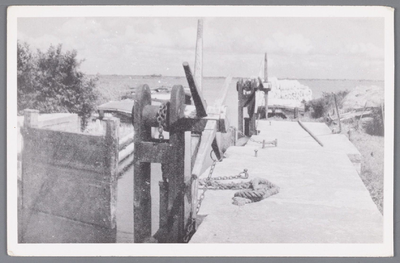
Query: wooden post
(198, 62)
(266, 81)
(253, 117)
(163, 203)
(175, 170)
(141, 178)
(239, 88)
(338, 114)
(296, 113)
(31, 118)
(112, 141)
(247, 127)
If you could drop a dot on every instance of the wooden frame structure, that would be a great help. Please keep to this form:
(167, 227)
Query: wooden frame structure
(247, 99)
(191, 137)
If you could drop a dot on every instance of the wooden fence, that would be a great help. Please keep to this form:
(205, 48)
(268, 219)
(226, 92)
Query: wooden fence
(69, 184)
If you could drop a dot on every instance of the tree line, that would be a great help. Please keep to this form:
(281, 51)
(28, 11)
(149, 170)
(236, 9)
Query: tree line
(51, 82)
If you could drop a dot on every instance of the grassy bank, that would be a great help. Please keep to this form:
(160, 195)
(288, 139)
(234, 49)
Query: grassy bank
(372, 151)
(370, 146)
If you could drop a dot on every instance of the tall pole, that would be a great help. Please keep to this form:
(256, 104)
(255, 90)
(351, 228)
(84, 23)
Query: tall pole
(266, 81)
(266, 68)
(198, 62)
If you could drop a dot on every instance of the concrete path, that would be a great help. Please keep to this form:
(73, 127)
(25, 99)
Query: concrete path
(322, 198)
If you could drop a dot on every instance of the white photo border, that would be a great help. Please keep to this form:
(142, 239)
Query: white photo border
(218, 250)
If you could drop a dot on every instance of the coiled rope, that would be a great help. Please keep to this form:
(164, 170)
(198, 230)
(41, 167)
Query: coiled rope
(255, 190)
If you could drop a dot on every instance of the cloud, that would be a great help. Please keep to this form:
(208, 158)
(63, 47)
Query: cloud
(231, 46)
(367, 50)
(289, 44)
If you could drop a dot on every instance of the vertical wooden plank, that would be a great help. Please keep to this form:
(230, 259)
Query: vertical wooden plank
(141, 178)
(207, 138)
(163, 203)
(337, 112)
(252, 124)
(188, 210)
(31, 120)
(175, 170)
(247, 127)
(239, 87)
(198, 62)
(266, 81)
(112, 142)
(296, 113)
(253, 128)
(265, 67)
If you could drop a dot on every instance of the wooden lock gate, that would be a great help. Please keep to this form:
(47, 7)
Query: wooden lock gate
(182, 159)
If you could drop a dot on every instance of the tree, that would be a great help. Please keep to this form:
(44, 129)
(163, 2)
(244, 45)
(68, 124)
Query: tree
(51, 82)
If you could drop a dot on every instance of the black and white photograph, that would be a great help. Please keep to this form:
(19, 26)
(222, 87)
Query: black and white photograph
(200, 131)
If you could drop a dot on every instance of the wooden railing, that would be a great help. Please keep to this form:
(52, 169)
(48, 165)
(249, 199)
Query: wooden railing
(125, 153)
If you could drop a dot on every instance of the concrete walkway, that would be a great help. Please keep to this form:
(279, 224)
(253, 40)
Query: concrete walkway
(322, 198)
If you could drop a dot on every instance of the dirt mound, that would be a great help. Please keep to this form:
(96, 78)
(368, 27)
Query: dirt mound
(368, 96)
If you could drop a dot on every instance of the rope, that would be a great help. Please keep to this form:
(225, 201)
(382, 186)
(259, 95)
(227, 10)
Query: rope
(254, 191)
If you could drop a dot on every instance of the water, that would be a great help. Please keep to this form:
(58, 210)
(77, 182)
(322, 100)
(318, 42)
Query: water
(115, 85)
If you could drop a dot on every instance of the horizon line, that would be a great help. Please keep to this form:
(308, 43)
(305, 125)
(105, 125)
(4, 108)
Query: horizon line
(174, 76)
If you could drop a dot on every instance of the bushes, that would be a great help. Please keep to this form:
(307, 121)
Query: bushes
(321, 106)
(375, 126)
(50, 82)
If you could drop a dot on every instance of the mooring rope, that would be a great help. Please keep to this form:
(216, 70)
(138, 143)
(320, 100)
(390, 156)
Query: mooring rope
(254, 191)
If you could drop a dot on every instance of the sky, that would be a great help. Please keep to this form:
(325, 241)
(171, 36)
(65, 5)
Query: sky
(299, 48)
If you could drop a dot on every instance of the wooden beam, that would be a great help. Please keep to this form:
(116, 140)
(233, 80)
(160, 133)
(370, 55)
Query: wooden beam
(125, 141)
(266, 81)
(310, 132)
(195, 143)
(239, 87)
(198, 62)
(337, 112)
(207, 139)
(177, 171)
(150, 152)
(195, 124)
(141, 175)
(217, 149)
(225, 89)
(122, 154)
(266, 67)
(198, 100)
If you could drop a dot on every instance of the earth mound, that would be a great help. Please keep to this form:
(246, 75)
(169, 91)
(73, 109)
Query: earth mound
(363, 96)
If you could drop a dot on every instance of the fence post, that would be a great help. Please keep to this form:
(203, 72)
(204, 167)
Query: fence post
(296, 113)
(31, 118)
(112, 142)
